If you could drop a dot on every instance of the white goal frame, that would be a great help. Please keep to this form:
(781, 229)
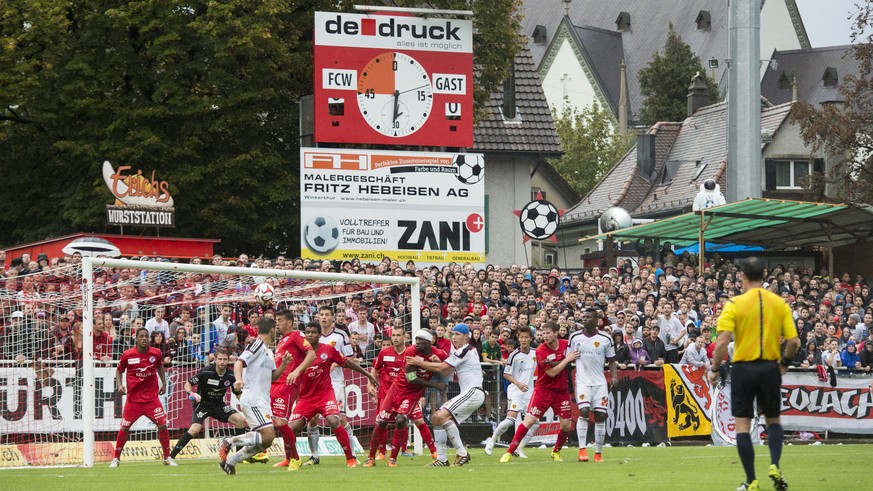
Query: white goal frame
(88, 265)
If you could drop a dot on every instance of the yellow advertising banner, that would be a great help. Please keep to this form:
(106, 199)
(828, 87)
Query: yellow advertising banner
(688, 401)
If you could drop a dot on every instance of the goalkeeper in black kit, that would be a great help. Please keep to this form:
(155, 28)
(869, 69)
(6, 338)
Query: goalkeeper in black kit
(212, 383)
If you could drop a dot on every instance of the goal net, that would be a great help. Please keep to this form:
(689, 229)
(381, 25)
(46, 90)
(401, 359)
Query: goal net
(64, 332)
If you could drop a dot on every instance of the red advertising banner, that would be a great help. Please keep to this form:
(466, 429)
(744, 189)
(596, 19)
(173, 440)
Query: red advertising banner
(393, 80)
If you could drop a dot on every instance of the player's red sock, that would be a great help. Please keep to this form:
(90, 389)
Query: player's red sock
(342, 437)
(395, 444)
(519, 436)
(164, 438)
(383, 443)
(562, 437)
(289, 441)
(380, 436)
(426, 437)
(119, 443)
(404, 436)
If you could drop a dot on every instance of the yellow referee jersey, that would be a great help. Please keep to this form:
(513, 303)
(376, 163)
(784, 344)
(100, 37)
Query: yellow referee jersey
(757, 318)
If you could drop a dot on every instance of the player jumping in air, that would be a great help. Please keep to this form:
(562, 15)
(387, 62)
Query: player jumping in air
(595, 349)
(401, 401)
(142, 363)
(254, 371)
(284, 390)
(551, 390)
(464, 359)
(519, 372)
(317, 395)
(212, 383)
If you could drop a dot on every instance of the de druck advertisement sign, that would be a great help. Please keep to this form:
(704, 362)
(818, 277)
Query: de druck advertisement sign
(369, 204)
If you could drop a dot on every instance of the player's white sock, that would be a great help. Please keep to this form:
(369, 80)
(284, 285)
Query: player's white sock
(439, 439)
(502, 427)
(312, 434)
(530, 434)
(599, 436)
(455, 437)
(348, 428)
(582, 431)
(250, 438)
(246, 452)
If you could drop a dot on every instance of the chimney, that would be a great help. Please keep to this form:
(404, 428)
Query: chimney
(793, 89)
(646, 156)
(698, 94)
(509, 93)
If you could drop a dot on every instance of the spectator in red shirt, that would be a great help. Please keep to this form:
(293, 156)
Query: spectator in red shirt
(102, 340)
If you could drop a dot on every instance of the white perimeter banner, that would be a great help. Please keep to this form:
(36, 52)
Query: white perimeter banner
(808, 404)
(424, 206)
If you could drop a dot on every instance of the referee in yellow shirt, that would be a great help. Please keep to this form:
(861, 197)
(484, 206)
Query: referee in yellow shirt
(758, 320)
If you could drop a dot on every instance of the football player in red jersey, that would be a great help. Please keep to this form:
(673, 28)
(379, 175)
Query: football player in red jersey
(283, 391)
(388, 365)
(401, 401)
(142, 363)
(551, 390)
(316, 391)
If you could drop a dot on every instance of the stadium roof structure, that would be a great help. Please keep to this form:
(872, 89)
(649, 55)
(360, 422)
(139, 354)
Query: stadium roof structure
(771, 223)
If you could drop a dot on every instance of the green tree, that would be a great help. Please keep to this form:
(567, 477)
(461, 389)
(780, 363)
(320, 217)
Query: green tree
(664, 81)
(204, 93)
(591, 146)
(845, 131)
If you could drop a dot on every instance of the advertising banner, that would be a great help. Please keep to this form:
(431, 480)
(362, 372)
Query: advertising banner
(637, 409)
(689, 401)
(140, 200)
(393, 80)
(808, 404)
(424, 206)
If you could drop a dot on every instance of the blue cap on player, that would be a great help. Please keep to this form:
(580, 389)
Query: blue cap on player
(461, 328)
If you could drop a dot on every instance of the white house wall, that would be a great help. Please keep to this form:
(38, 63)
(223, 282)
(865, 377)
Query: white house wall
(508, 187)
(580, 92)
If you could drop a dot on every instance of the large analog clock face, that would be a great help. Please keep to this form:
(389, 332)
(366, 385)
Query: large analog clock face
(395, 95)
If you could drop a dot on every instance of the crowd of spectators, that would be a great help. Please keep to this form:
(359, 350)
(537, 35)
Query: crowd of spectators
(658, 310)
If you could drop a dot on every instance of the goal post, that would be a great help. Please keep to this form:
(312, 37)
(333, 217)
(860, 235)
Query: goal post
(299, 288)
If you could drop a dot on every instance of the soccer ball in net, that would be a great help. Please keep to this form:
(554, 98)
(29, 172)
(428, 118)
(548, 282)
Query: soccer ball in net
(264, 294)
(321, 234)
(539, 219)
(470, 168)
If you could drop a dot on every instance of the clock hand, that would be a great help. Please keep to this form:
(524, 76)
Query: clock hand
(396, 106)
(417, 88)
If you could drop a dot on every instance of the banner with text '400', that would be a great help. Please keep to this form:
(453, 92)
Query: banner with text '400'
(425, 206)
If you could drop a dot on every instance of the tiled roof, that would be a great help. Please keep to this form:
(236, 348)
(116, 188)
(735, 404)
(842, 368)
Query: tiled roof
(694, 150)
(603, 51)
(700, 153)
(624, 185)
(533, 129)
(808, 65)
(650, 21)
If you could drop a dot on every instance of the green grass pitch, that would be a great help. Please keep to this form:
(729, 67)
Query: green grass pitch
(648, 469)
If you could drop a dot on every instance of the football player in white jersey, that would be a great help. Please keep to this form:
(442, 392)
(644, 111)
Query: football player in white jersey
(519, 372)
(463, 359)
(254, 370)
(595, 349)
(339, 340)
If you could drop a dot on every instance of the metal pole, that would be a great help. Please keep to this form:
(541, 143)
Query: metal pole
(88, 363)
(744, 101)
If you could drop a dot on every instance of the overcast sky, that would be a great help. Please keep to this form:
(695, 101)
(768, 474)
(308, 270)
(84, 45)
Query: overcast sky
(827, 21)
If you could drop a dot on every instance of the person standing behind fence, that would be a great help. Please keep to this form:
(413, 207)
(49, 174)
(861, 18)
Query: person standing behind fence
(758, 320)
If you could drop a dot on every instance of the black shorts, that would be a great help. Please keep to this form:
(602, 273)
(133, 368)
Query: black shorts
(756, 380)
(203, 411)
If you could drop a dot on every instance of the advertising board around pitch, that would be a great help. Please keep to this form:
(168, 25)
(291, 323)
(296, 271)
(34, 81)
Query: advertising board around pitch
(424, 206)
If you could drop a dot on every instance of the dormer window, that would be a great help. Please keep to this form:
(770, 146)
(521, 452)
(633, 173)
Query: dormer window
(539, 34)
(704, 20)
(784, 82)
(830, 78)
(622, 23)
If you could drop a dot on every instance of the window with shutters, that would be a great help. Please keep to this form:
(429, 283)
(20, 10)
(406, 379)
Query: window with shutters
(791, 174)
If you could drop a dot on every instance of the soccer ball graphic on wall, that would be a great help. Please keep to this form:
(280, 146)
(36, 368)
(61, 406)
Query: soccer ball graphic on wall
(470, 168)
(321, 234)
(539, 219)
